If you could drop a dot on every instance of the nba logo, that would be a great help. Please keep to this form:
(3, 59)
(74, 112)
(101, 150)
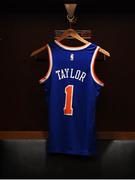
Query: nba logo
(71, 57)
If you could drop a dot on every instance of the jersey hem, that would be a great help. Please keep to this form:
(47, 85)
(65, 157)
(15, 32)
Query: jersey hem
(82, 153)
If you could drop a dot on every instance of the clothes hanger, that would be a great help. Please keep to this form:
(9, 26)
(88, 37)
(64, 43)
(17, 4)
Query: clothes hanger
(37, 51)
(74, 34)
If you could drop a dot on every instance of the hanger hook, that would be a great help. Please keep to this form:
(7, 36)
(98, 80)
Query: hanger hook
(70, 12)
(70, 19)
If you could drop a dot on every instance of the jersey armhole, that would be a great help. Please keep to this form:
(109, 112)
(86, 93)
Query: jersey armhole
(47, 75)
(94, 76)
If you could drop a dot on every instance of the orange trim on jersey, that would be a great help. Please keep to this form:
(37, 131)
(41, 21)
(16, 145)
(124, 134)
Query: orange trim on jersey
(50, 66)
(95, 78)
(71, 47)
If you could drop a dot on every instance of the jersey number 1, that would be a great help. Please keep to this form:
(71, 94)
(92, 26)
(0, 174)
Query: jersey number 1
(68, 109)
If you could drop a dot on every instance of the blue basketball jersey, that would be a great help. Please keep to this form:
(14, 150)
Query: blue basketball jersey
(71, 88)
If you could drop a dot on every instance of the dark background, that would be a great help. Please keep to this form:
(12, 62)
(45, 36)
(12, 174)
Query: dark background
(28, 25)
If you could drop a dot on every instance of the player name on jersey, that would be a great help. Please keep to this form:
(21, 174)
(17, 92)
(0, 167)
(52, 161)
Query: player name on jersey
(71, 73)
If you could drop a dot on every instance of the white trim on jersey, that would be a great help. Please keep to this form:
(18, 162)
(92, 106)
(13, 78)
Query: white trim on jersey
(50, 66)
(70, 47)
(94, 76)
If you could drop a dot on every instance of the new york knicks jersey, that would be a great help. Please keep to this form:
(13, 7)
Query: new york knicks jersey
(71, 88)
